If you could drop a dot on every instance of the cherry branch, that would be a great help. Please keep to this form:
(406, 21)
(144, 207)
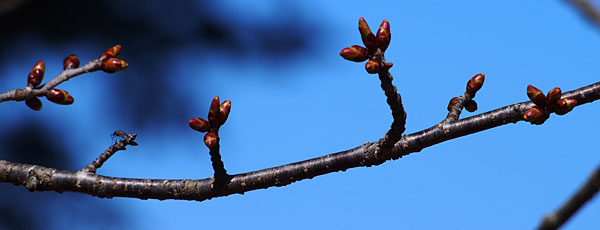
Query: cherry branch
(39, 178)
(583, 195)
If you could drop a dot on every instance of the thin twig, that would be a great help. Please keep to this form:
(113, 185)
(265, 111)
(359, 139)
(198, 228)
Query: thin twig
(26, 93)
(457, 108)
(127, 139)
(584, 194)
(39, 178)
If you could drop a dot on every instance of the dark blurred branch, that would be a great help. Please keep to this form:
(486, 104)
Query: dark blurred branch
(588, 10)
(586, 192)
(39, 178)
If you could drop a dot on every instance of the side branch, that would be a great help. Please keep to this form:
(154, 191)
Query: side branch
(586, 192)
(39, 178)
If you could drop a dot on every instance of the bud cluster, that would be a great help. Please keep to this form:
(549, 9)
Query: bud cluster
(110, 63)
(373, 43)
(473, 85)
(546, 104)
(217, 115)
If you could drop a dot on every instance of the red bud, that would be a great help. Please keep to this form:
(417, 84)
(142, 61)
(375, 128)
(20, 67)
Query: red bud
(367, 36)
(224, 110)
(60, 97)
(111, 52)
(199, 124)
(355, 53)
(71, 62)
(213, 112)
(565, 105)
(534, 115)
(36, 75)
(536, 95)
(470, 105)
(475, 83)
(388, 65)
(553, 96)
(383, 36)
(211, 139)
(451, 103)
(111, 65)
(372, 66)
(34, 103)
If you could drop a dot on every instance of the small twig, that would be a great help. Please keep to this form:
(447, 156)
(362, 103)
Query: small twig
(127, 139)
(561, 216)
(26, 93)
(457, 108)
(588, 9)
(394, 100)
(221, 176)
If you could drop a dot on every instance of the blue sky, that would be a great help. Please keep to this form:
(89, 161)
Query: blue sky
(316, 103)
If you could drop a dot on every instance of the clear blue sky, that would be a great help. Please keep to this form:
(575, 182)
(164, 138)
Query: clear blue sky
(316, 103)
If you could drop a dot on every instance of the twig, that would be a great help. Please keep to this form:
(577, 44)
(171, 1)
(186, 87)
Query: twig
(39, 178)
(26, 93)
(394, 100)
(127, 139)
(584, 194)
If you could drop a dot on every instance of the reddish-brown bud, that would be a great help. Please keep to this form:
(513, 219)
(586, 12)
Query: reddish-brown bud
(475, 83)
(37, 74)
(355, 53)
(470, 105)
(111, 65)
(565, 105)
(199, 124)
(71, 62)
(213, 112)
(211, 139)
(372, 66)
(383, 36)
(534, 115)
(34, 103)
(388, 65)
(60, 97)
(367, 36)
(553, 96)
(536, 95)
(451, 103)
(224, 110)
(111, 52)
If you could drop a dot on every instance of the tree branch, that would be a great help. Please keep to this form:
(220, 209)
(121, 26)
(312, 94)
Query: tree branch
(586, 192)
(39, 178)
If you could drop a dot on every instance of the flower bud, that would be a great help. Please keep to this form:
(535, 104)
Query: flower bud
(111, 52)
(451, 104)
(367, 36)
(470, 105)
(60, 97)
(36, 75)
(71, 62)
(211, 139)
(565, 105)
(213, 112)
(383, 36)
(199, 124)
(111, 65)
(536, 95)
(224, 110)
(553, 96)
(534, 115)
(475, 83)
(355, 53)
(34, 103)
(372, 66)
(388, 65)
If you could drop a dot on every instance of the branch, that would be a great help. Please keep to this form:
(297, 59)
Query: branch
(39, 178)
(588, 10)
(586, 192)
